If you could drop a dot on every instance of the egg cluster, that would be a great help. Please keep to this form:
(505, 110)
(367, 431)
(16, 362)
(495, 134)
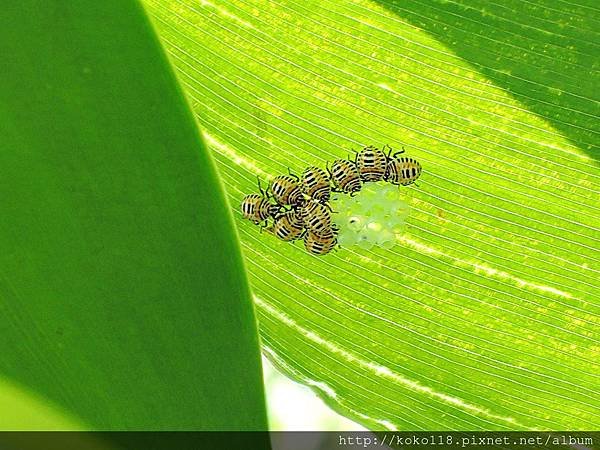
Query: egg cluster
(372, 218)
(294, 207)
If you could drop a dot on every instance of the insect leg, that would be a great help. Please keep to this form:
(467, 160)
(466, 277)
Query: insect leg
(260, 188)
(264, 225)
(304, 231)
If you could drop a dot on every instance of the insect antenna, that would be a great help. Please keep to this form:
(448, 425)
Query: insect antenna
(293, 175)
(400, 152)
(389, 150)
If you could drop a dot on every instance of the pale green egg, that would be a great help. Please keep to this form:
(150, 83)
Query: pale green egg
(371, 218)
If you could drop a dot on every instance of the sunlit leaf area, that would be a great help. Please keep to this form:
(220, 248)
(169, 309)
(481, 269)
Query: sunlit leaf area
(484, 311)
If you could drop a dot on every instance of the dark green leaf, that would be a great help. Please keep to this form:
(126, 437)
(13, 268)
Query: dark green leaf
(123, 300)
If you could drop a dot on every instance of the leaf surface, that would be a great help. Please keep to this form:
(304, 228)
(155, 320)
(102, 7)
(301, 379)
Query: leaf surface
(123, 299)
(484, 315)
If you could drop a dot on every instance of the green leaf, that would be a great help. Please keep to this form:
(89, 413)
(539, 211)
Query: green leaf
(484, 314)
(22, 408)
(123, 301)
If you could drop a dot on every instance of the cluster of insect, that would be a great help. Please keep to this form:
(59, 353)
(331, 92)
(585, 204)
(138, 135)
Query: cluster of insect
(297, 207)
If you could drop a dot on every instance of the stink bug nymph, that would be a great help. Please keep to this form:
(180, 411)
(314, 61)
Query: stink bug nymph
(320, 245)
(317, 218)
(316, 184)
(257, 208)
(288, 226)
(286, 190)
(402, 170)
(345, 177)
(371, 164)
